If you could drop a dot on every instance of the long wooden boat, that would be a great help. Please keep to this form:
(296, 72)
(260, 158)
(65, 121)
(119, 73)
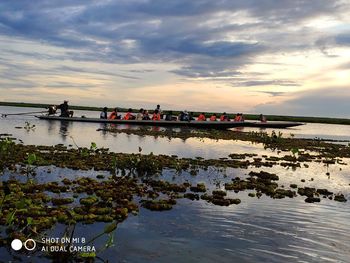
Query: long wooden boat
(218, 125)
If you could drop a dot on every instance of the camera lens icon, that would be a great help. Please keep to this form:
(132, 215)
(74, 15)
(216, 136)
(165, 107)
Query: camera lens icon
(16, 244)
(30, 244)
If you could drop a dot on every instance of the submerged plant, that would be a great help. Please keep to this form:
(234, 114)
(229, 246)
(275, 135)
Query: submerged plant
(29, 127)
(30, 161)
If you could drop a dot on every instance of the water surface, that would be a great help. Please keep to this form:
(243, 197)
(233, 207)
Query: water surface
(257, 230)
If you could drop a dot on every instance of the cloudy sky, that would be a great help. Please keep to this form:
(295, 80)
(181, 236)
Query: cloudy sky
(288, 57)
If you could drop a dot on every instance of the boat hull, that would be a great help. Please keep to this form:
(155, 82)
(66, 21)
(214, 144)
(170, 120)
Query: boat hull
(192, 124)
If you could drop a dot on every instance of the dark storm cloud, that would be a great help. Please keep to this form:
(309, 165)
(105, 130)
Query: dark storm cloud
(190, 33)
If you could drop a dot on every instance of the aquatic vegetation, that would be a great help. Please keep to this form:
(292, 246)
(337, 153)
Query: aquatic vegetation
(340, 198)
(30, 208)
(158, 205)
(274, 141)
(311, 199)
(27, 126)
(199, 188)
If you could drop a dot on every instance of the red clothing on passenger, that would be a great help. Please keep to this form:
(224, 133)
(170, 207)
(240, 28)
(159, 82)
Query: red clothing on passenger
(201, 117)
(156, 117)
(238, 118)
(113, 115)
(223, 118)
(128, 116)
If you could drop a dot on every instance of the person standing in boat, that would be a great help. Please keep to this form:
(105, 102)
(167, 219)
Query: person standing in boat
(156, 115)
(65, 112)
(103, 114)
(159, 111)
(201, 117)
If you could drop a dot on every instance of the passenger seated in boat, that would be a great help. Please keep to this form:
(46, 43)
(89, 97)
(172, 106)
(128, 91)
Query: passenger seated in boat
(146, 115)
(156, 116)
(262, 118)
(129, 115)
(139, 115)
(201, 117)
(65, 112)
(52, 110)
(224, 117)
(184, 116)
(169, 116)
(103, 114)
(239, 117)
(213, 117)
(114, 115)
(190, 116)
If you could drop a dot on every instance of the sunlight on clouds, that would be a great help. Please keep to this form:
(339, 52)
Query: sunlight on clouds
(210, 55)
(197, 96)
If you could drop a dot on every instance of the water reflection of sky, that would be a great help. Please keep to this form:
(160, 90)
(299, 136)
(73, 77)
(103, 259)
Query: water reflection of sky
(257, 230)
(54, 132)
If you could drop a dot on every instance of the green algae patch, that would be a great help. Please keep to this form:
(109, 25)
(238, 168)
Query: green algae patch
(89, 201)
(62, 201)
(200, 187)
(158, 205)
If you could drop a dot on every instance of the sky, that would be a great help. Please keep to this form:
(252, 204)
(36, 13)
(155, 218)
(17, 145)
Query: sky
(287, 57)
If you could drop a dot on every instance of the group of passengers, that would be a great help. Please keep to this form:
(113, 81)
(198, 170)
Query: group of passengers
(158, 115)
(141, 115)
(224, 117)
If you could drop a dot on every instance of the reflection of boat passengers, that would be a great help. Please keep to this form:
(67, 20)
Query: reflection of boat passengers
(65, 112)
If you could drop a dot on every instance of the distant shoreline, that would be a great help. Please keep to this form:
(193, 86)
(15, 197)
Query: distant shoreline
(326, 120)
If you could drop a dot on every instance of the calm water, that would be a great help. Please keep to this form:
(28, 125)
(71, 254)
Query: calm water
(257, 230)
